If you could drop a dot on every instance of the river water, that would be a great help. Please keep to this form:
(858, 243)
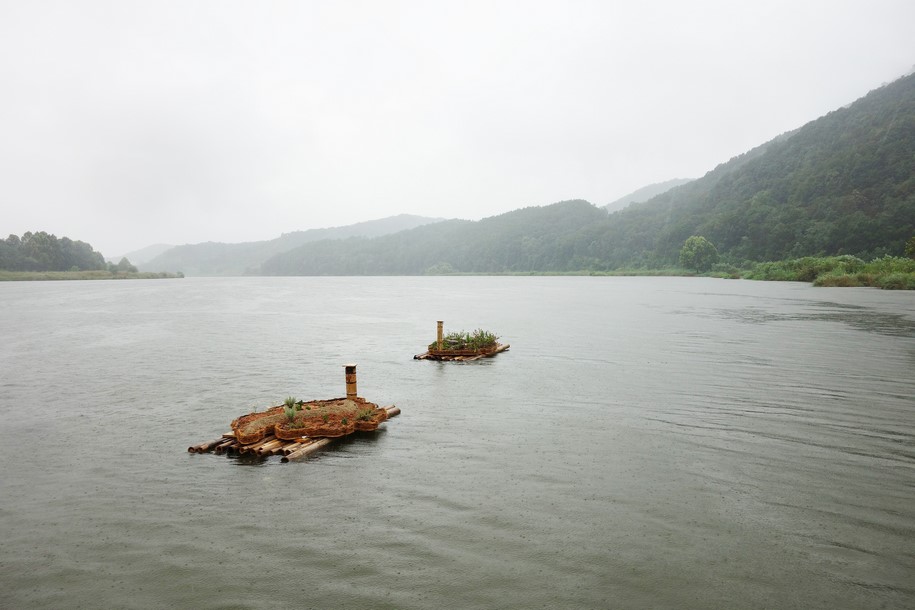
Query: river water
(645, 443)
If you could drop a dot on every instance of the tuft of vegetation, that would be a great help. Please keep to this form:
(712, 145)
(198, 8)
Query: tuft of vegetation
(477, 340)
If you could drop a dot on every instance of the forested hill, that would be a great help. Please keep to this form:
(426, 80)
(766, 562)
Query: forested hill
(530, 239)
(842, 184)
(214, 259)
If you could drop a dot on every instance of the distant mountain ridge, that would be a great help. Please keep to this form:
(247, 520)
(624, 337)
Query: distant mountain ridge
(645, 193)
(529, 239)
(141, 256)
(224, 259)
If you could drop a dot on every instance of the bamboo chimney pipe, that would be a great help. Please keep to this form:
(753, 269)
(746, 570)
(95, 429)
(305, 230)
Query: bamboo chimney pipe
(440, 335)
(350, 370)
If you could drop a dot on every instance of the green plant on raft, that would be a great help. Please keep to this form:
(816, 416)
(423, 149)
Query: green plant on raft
(290, 402)
(364, 414)
(460, 340)
(290, 413)
(344, 421)
(324, 417)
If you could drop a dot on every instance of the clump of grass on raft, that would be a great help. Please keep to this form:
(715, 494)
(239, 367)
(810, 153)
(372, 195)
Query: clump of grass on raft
(478, 341)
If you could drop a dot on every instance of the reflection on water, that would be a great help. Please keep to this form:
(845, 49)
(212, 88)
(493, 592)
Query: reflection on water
(646, 442)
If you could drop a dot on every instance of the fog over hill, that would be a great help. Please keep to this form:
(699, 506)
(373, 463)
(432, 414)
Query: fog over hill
(645, 193)
(217, 259)
(143, 255)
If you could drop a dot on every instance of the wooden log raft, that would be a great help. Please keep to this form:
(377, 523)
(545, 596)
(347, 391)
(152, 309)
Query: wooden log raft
(291, 450)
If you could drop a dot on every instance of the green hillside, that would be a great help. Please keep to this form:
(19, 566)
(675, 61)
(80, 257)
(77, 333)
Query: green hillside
(843, 184)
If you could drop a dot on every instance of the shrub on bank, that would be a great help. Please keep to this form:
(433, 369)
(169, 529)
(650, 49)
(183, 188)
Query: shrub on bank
(889, 272)
(897, 281)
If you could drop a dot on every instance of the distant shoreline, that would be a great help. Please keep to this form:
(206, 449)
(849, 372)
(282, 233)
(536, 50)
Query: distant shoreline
(40, 276)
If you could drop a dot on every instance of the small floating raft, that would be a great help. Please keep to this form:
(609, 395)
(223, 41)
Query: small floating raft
(290, 450)
(446, 349)
(297, 429)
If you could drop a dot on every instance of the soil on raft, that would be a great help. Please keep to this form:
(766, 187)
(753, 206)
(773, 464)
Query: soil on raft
(319, 418)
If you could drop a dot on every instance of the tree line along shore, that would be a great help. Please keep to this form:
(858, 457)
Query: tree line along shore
(42, 256)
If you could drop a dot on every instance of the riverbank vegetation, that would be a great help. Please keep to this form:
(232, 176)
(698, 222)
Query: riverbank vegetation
(43, 251)
(42, 256)
(887, 272)
(20, 276)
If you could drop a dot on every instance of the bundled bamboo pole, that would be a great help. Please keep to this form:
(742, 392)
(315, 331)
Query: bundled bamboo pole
(298, 444)
(269, 446)
(255, 446)
(204, 447)
(392, 410)
(309, 449)
(281, 450)
(227, 447)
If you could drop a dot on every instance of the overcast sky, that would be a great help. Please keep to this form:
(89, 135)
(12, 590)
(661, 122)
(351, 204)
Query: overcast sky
(129, 123)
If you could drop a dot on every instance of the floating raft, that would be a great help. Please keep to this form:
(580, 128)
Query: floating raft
(461, 355)
(438, 350)
(291, 450)
(300, 428)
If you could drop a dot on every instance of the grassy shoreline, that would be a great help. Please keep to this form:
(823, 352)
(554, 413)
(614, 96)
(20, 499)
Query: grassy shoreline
(40, 276)
(887, 273)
